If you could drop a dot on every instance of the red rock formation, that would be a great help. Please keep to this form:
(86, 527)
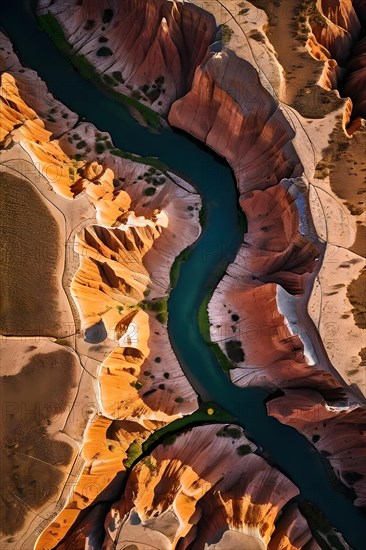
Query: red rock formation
(233, 114)
(340, 434)
(258, 311)
(175, 498)
(124, 267)
(340, 28)
(336, 33)
(292, 531)
(56, 117)
(355, 81)
(145, 49)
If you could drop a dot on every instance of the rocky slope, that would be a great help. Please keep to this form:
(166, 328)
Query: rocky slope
(177, 499)
(142, 49)
(336, 434)
(338, 39)
(265, 313)
(123, 216)
(258, 312)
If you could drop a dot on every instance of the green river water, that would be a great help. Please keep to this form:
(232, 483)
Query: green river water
(220, 239)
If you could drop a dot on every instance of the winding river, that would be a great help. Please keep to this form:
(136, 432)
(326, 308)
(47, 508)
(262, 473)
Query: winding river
(216, 247)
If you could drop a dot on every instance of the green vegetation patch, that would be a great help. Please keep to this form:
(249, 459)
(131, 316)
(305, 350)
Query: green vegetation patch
(151, 161)
(104, 52)
(226, 34)
(203, 320)
(52, 27)
(168, 434)
(235, 351)
(175, 269)
(109, 80)
(222, 359)
(204, 326)
(133, 452)
(159, 306)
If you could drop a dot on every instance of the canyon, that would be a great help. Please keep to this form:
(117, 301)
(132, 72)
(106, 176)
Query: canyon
(279, 316)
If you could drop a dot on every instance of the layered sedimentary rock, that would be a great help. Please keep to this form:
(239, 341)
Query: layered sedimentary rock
(21, 124)
(104, 449)
(144, 50)
(56, 117)
(339, 434)
(337, 39)
(354, 82)
(130, 222)
(258, 311)
(175, 498)
(123, 278)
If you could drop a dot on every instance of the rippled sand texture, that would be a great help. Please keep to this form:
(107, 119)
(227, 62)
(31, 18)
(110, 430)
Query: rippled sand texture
(30, 255)
(37, 453)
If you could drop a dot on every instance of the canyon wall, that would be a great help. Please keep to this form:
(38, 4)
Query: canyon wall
(145, 50)
(280, 313)
(176, 498)
(258, 312)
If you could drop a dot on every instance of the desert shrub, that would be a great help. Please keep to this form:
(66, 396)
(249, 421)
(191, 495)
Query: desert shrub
(107, 16)
(226, 33)
(117, 75)
(99, 147)
(104, 52)
(149, 191)
(243, 450)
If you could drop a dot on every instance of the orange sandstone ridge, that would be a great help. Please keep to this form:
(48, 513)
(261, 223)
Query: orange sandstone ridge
(127, 237)
(177, 499)
(270, 284)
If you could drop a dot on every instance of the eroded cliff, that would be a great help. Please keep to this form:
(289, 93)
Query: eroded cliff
(258, 312)
(143, 50)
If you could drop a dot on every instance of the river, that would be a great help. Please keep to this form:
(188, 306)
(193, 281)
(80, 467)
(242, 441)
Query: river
(221, 237)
